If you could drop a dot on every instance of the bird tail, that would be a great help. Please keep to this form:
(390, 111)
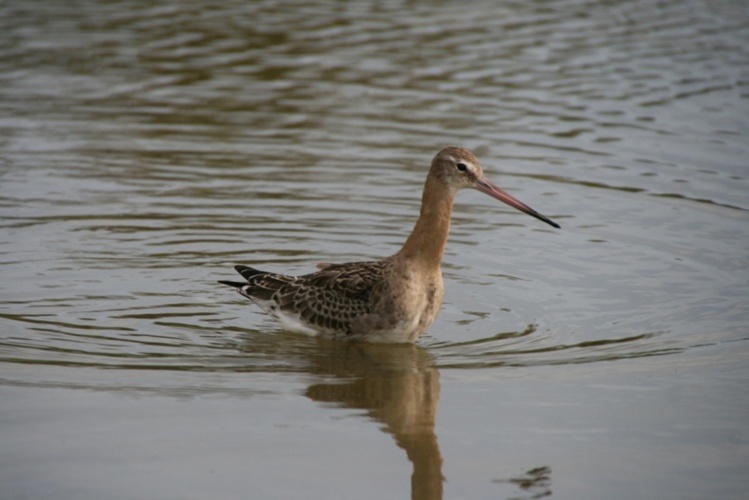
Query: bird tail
(235, 284)
(260, 285)
(247, 273)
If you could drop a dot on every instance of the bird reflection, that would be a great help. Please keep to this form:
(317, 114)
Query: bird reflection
(397, 385)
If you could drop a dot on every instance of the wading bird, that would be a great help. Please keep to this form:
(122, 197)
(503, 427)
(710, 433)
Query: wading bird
(394, 299)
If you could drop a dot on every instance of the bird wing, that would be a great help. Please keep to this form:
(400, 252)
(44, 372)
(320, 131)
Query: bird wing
(354, 279)
(334, 297)
(330, 299)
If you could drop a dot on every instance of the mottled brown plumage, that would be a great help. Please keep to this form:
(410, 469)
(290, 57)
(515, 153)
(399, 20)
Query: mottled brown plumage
(390, 300)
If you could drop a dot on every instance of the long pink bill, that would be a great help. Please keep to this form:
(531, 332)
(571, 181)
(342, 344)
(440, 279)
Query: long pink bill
(486, 186)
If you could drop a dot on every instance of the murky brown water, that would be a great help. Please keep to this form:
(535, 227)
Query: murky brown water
(146, 149)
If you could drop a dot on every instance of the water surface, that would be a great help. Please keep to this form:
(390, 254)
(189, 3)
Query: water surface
(144, 150)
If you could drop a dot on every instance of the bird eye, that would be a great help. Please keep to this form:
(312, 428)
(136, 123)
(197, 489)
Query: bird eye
(462, 167)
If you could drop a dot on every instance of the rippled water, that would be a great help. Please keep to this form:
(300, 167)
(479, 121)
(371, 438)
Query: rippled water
(146, 149)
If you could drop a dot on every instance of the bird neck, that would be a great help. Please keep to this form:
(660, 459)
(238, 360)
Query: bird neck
(426, 243)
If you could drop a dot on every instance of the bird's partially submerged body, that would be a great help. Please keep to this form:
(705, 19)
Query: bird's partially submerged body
(376, 301)
(390, 300)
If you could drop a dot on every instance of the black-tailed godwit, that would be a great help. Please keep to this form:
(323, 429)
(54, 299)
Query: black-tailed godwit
(394, 299)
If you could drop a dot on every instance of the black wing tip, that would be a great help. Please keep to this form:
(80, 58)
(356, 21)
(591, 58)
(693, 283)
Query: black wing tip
(248, 272)
(235, 284)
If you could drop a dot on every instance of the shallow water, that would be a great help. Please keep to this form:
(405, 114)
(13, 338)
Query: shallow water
(144, 150)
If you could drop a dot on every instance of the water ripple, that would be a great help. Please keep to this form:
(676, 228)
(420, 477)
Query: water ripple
(147, 148)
